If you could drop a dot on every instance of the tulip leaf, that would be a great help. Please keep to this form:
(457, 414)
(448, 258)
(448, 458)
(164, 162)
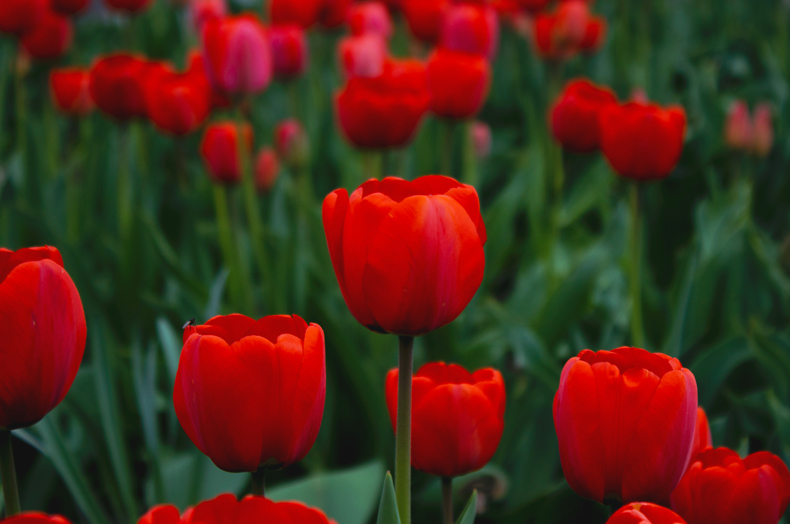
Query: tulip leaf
(388, 507)
(470, 511)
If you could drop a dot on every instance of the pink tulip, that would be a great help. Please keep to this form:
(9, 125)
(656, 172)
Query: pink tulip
(362, 55)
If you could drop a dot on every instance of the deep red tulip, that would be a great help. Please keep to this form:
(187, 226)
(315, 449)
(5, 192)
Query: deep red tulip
(289, 50)
(643, 141)
(177, 103)
(571, 29)
(304, 13)
(334, 13)
(575, 115)
(386, 110)
(425, 17)
(458, 417)
(408, 255)
(702, 436)
(291, 142)
(471, 28)
(645, 513)
(594, 35)
(481, 139)
(50, 38)
(43, 334)
(17, 17)
(763, 130)
(162, 514)
(370, 18)
(459, 83)
(220, 151)
(68, 7)
(196, 67)
(201, 11)
(237, 54)
(130, 6)
(251, 393)
(225, 509)
(70, 90)
(534, 5)
(721, 488)
(362, 55)
(267, 169)
(116, 85)
(33, 517)
(625, 422)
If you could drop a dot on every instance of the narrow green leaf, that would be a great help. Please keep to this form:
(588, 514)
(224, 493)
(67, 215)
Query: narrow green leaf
(470, 511)
(144, 374)
(215, 294)
(388, 507)
(171, 346)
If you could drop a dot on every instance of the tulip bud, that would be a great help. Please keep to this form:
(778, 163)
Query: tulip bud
(425, 18)
(70, 90)
(130, 6)
(201, 11)
(304, 13)
(481, 139)
(116, 85)
(68, 7)
(267, 169)
(471, 29)
(293, 146)
(362, 55)
(334, 13)
(645, 513)
(575, 116)
(458, 82)
(763, 130)
(18, 17)
(289, 50)
(220, 151)
(51, 37)
(370, 18)
(572, 20)
(738, 131)
(177, 103)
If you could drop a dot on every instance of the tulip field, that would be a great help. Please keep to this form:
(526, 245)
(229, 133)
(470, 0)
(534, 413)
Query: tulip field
(394, 261)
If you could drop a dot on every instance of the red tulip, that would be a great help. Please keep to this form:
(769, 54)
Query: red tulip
(335, 13)
(201, 11)
(220, 151)
(17, 17)
(721, 488)
(625, 422)
(471, 28)
(370, 18)
(408, 255)
(249, 393)
(763, 130)
(289, 50)
(43, 334)
(267, 169)
(534, 5)
(51, 37)
(32, 517)
(237, 55)
(116, 85)
(362, 55)
(458, 417)
(131, 6)
(162, 514)
(385, 111)
(291, 142)
(738, 133)
(645, 513)
(196, 67)
(575, 115)
(568, 31)
(481, 139)
(425, 17)
(68, 7)
(70, 90)
(304, 13)
(177, 103)
(459, 83)
(702, 436)
(643, 141)
(594, 35)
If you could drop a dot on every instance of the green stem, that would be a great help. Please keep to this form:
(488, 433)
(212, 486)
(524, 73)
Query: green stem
(447, 499)
(259, 482)
(124, 185)
(447, 148)
(238, 291)
(637, 327)
(372, 165)
(8, 474)
(21, 130)
(470, 167)
(403, 431)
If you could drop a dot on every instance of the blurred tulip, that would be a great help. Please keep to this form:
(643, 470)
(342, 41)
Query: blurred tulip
(458, 82)
(575, 115)
(220, 151)
(33, 517)
(70, 90)
(702, 436)
(17, 17)
(237, 55)
(116, 85)
(50, 38)
(225, 509)
(643, 141)
(645, 513)
(303, 13)
(267, 169)
(291, 141)
(196, 67)
(569, 30)
(471, 28)
(534, 5)
(625, 422)
(738, 132)
(250, 394)
(425, 18)
(43, 334)
(334, 13)
(594, 35)
(457, 419)
(177, 103)
(763, 130)
(370, 18)
(362, 55)
(289, 50)
(68, 7)
(130, 6)
(721, 488)
(385, 111)
(408, 255)
(201, 11)
(481, 139)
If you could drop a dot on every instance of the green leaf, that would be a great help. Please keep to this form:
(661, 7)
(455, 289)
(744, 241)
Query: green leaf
(171, 346)
(470, 511)
(388, 507)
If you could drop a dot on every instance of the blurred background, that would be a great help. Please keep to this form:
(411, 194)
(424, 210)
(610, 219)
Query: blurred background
(715, 268)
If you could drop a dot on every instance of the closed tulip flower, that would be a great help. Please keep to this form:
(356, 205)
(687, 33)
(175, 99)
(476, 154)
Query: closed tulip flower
(721, 488)
(362, 55)
(289, 50)
(130, 6)
(267, 169)
(43, 334)
(702, 435)
(384, 111)
(334, 13)
(471, 28)
(303, 13)
(408, 255)
(237, 55)
(425, 18)
(643, 141)
(370, 18)
(220, 151)
(250, 394)
(177, 103)
(68, 7)
(625, 422)
(458, 417)
(569, 30)
(18, 17)
(70, 90)
(645, 513)
(51, 37)
(576, 113)
(459, 83)
(116, 85)
(292, 143)
(201, 11)
(34, 517)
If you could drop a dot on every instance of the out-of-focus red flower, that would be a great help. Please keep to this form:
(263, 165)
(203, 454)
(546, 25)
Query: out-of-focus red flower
(33, 517)
(471, 28)
(334, 13)
(457, 420)
(70, 90)
(384, 111)
(17, 17)
(576, 113)
(362, 55)
(533, 5)
(196, 67)
(289, 50)
(702, 436)
(738, 132)
(68, 7)
(763, 130)
(225, 509)
(291, 142)
(177, 103)
(721, 488)
(304, 13)
(43, 334)
(643, 141)
(594, 35)
(131, 6)
(481, 139)
(629, 395)
(425, 17)
(250, 394)
(162, 514)
(201, 11)
(237, 55)
(267, 169)
(408, 255)
(116, 85)
(220, 151)
(458, 82)
(645, 513)
(569, 30)
(50, 38)
(370, 17)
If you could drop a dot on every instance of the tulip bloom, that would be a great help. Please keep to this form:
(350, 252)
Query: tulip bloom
(425, 18)
(303, 13)
(177, 103)
(575, 115)
(458, 417)
(702, 436)
(459, 83)
(267, 169)
(334, 13)
(408, 255)
(50, 38)
(196, 67)
(384, 111)
(43, 334)
(370, 18)
(18, 17)
(201, 11)
(250, 394)
(721, 488)
(568, 31)
(642, 141)
(471, 28)
(116, 85)
(533, 5)
(70, 90)
(68, 7)
(625, 422)
(220, 151)
(237, 55)
(130, 6)
(289, 50)
(362, 55)
(645, 513)
(34, 517)
(291, 142)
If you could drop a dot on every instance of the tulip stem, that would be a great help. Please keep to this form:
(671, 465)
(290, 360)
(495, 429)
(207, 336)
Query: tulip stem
(403, 429)
(238, 291)
(447, 499)
(8, 474)
(259, 482)
(637, 328)
(470, 167)
(447, 148)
